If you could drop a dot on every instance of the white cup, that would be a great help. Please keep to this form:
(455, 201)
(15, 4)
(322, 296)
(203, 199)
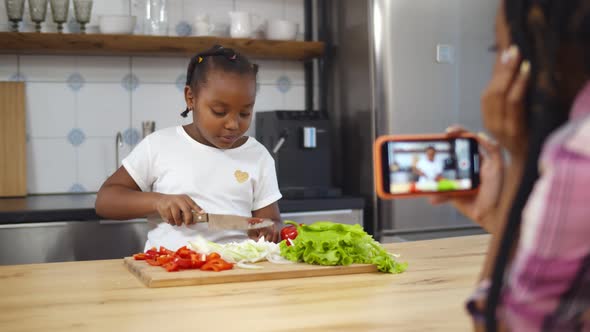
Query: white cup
(220, 30)
(241, 24)
(202, 26)
(281, 30)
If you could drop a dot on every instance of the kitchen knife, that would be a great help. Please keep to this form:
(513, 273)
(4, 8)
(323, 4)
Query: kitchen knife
(229, 222)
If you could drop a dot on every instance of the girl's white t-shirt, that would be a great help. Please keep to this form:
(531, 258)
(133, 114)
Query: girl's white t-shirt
(233, 181)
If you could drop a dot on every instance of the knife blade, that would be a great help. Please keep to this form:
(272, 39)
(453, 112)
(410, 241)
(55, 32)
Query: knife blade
(229, 222)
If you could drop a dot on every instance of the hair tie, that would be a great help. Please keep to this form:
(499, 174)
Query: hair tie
(185, 113)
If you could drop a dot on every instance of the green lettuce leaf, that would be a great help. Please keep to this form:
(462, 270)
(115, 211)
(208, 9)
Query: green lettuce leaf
(328, 243)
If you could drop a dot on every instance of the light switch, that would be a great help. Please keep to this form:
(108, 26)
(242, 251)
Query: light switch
(445, 53)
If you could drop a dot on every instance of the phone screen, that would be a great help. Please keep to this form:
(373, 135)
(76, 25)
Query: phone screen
(430, 166)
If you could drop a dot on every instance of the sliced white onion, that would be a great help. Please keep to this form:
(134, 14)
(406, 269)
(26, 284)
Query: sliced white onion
(243, 265)
(244, 252)
(277, 259)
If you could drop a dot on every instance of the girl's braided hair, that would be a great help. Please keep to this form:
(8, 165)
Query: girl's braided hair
(216, 58)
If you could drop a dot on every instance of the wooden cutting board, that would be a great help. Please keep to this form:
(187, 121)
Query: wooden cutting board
(13, 150)
(155, 276)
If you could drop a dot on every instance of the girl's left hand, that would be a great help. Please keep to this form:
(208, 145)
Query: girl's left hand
(269, 233)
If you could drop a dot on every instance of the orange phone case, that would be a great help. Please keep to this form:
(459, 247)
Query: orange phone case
(378, 161)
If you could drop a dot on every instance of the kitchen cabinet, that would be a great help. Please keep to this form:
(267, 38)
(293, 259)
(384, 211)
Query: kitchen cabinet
(26, 243)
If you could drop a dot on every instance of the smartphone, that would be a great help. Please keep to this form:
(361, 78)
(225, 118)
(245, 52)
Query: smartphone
(419, 165)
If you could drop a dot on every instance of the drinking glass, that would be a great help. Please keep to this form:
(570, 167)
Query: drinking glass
(83, 11)
(156, 20)
(15, 10)
(59, 10)
(38, 11)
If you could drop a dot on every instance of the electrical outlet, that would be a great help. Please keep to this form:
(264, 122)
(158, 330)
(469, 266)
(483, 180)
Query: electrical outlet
(445, 53)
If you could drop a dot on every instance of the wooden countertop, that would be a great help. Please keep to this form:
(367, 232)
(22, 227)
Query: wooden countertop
(104, 296)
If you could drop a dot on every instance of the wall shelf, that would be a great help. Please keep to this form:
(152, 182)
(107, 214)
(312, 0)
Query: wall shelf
(129, 45)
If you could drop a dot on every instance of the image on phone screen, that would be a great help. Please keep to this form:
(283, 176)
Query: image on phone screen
(430, 166)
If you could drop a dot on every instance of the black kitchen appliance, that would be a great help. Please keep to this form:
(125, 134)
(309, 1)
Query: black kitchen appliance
(300, 143)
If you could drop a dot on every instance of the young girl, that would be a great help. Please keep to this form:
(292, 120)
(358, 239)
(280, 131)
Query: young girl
(206, 166)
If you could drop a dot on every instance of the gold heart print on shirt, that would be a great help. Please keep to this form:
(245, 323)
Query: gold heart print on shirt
(241, 177)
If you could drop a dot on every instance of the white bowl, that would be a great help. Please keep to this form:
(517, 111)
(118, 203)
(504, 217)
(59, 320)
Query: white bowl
(220, 30)
(281, 30)
(117, 24)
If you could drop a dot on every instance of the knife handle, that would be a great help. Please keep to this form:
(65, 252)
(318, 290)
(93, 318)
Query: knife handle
(200, 217)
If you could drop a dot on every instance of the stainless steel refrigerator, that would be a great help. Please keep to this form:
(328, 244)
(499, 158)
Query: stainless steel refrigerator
(404, 67)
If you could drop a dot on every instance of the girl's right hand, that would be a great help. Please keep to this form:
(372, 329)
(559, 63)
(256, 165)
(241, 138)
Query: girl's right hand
(481, 207)
(177, 209)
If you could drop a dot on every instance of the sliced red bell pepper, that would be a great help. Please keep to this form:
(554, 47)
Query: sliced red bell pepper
(152, 262)
(160, 260)
(164, 251)
(164, 259)
(217, 265)
(183, 263)
(289, 233)
(198, 260)
(213, 256)
(151, 254)
(139, 257)
(183, 258)
(184, 252)
(171, 267)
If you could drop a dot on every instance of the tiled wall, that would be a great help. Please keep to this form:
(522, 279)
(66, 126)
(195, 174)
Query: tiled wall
(76, 104)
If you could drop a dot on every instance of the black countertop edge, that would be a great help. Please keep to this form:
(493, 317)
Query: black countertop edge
(80, 207)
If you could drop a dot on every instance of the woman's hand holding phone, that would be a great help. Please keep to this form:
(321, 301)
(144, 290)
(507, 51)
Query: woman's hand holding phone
(502, 107)
(482, 206)
(482, 158)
